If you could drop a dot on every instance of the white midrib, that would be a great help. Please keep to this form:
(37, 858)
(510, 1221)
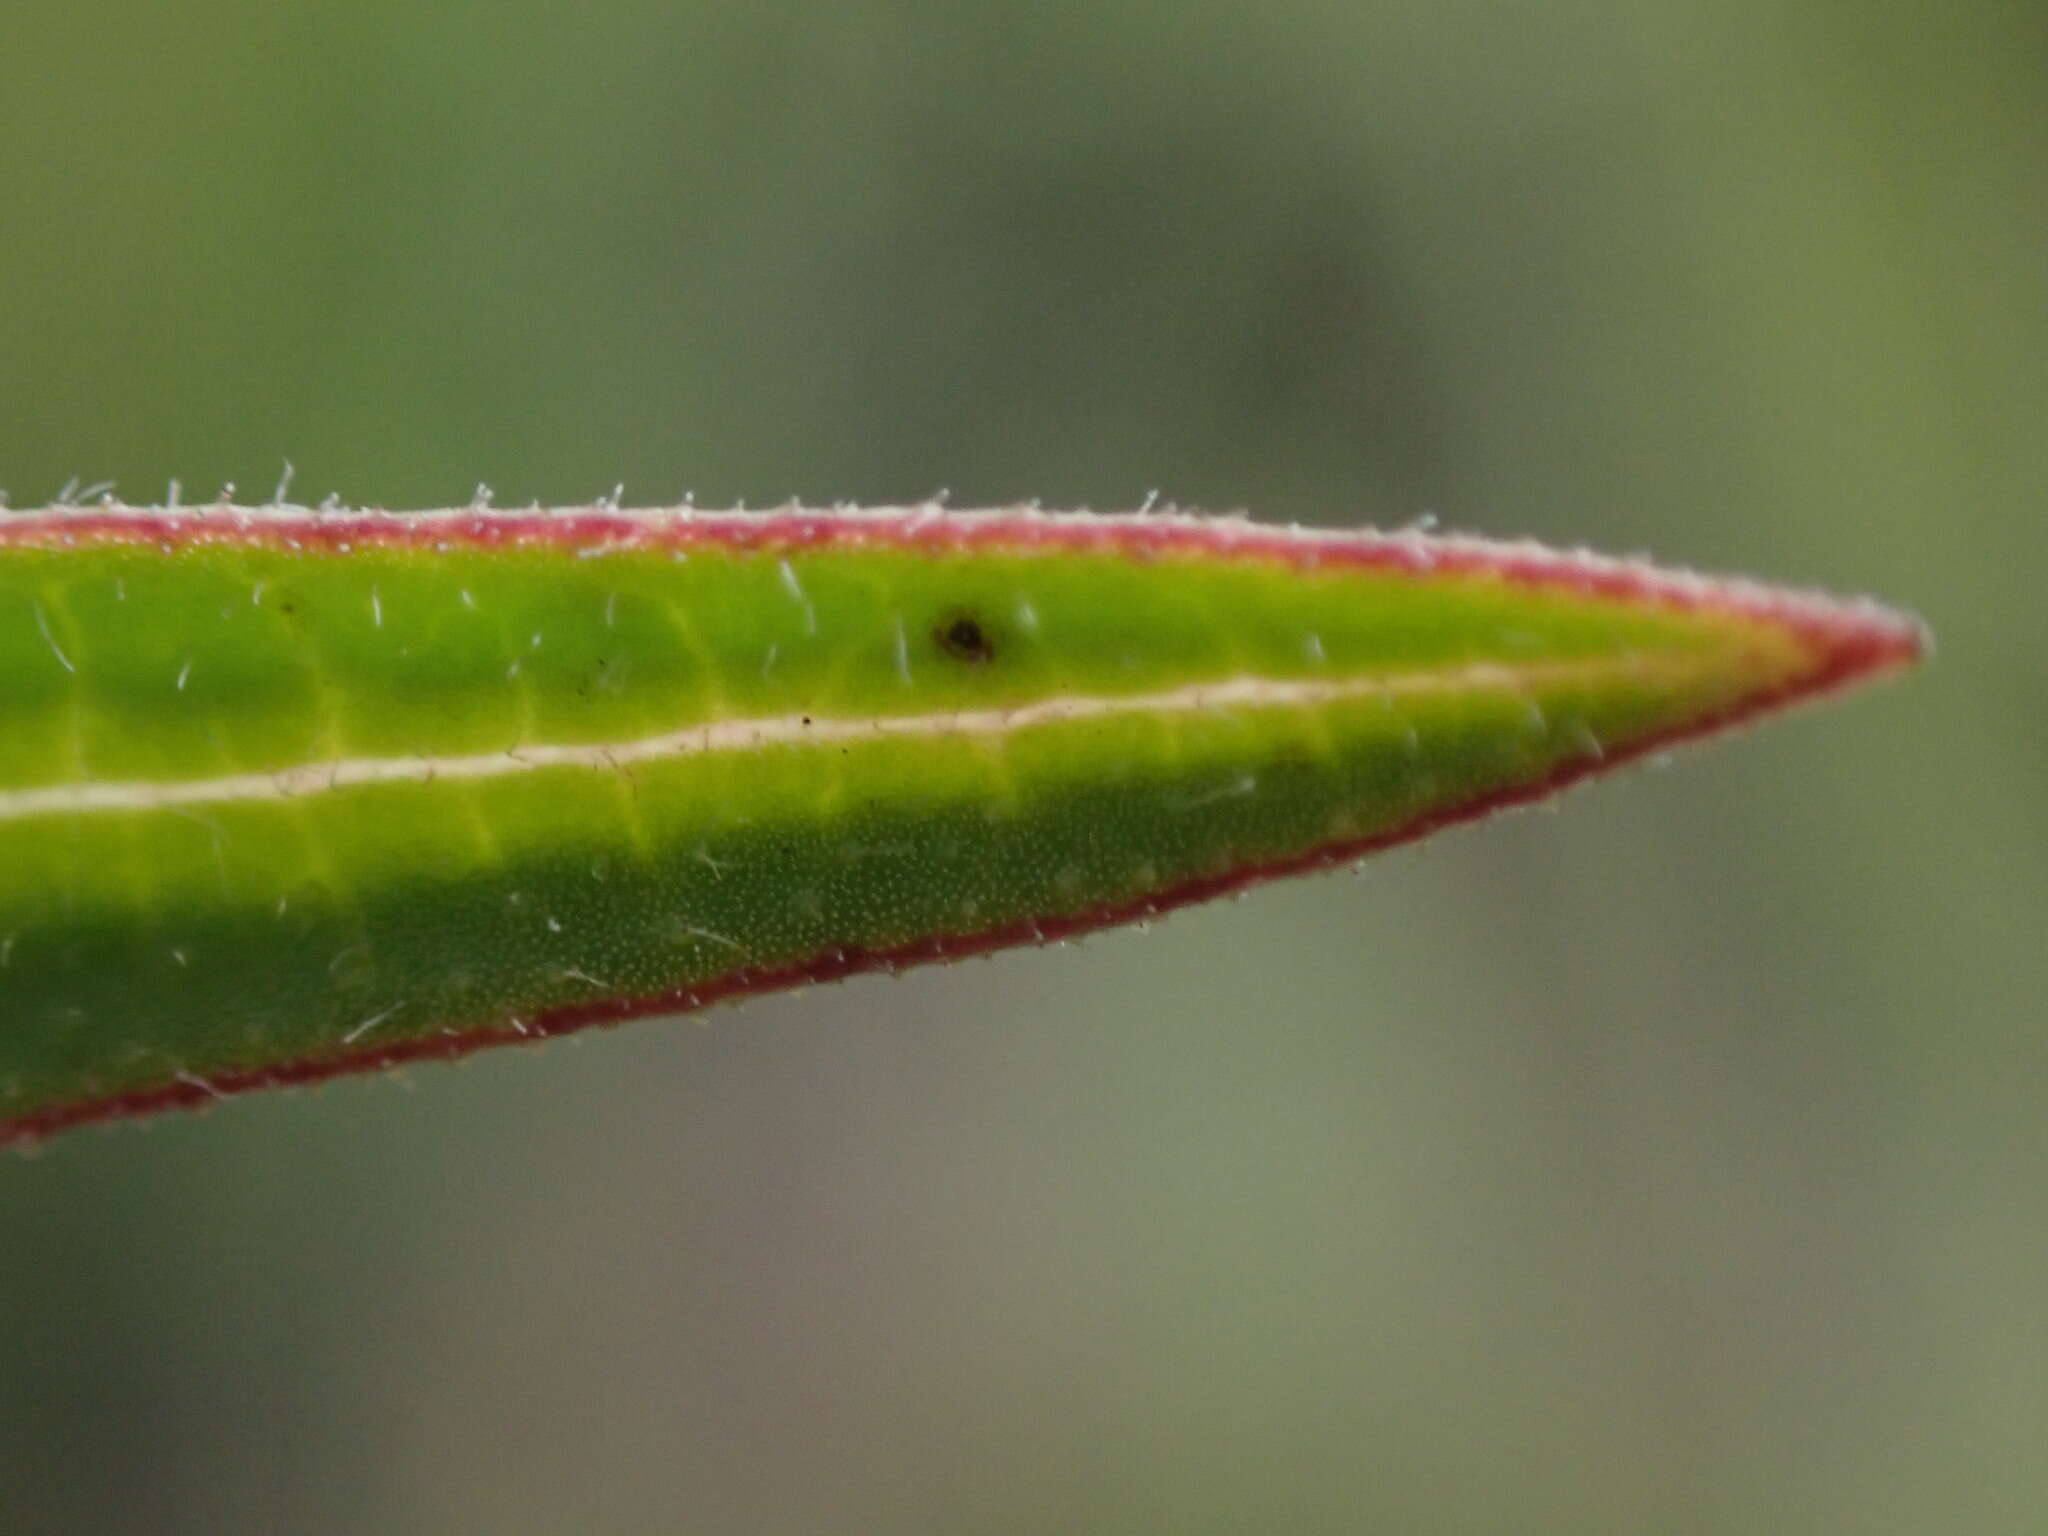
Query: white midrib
(301, 780)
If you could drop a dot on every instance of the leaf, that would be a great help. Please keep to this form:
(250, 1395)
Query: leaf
(285, 794)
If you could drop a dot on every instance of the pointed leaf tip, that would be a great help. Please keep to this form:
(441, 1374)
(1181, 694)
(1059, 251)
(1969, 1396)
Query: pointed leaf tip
(1860, 641)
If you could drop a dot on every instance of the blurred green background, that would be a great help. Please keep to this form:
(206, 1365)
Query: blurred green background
(1674, 1163)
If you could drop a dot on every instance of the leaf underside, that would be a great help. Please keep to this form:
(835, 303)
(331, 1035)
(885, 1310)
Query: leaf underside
(285, 793)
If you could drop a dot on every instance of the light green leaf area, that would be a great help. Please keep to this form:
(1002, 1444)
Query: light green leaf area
(264, 806)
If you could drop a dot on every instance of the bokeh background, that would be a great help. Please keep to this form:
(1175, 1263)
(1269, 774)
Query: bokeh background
(1672, 1163)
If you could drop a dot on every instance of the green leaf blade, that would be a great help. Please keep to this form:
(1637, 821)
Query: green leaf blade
(286, 794)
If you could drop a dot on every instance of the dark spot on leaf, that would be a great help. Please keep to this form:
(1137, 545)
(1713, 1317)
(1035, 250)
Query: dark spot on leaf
(963, 637)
